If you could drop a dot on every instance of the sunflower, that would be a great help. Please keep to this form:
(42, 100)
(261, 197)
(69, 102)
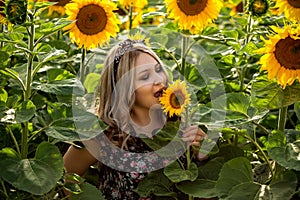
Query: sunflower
(281, 55)
(2, 14)
(193, 15)
(290, 8)
(94, 22)
(258, 7)
(236, 7)
(59, 7)
(175, 98)
(134, 3)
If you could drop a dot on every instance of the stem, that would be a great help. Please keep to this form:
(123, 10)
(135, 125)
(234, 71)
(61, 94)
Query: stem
(130, 17)
(14, 140)
(82, 66)
(16, 77)
(27, 92)
(183, 53)
(262, 127)
(282, 118)
(1, 31)
(4, 189)
(262, 152)
(247, 40)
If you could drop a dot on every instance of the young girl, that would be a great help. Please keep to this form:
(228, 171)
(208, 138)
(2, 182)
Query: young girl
(132, 81)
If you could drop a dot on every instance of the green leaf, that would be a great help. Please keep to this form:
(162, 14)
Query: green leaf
(201, 188)
(38, 175)
(155, 183)
(89, 192)
(211, 170)
(284, 185)
(74, 188)
(61, 87)
(80, 125)
(266, 94)
(3, 95)
(4, 59)
(286, 154)
(229, 59)
(91, 82)
(250, 49)
(25, 111)
(55, 54)
(51, 27)
(233, 172)
(237, 102)
(249, 191)
(176, 174)
(297, 109)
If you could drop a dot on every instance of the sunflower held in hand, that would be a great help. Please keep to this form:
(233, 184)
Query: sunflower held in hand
(175, 98)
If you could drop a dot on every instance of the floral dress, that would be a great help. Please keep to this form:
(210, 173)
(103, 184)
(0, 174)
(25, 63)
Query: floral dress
(119, 184)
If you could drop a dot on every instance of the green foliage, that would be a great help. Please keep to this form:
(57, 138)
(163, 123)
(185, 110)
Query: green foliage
(47, 86)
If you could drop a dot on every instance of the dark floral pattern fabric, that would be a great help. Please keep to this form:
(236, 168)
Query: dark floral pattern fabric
(119, 185)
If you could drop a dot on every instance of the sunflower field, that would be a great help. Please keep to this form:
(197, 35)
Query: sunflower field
(240, 60)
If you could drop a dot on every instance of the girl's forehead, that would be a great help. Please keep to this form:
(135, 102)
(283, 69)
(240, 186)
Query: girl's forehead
(144, 58)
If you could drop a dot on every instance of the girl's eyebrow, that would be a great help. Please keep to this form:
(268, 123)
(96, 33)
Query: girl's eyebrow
(147, 69)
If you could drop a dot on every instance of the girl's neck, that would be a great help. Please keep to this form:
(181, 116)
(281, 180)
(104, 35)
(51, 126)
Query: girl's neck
(146, 122)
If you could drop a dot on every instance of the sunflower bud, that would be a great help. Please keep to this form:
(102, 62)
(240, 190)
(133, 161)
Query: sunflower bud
(15, 11)
(258, 7)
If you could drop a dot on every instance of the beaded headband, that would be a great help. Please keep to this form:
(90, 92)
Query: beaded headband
(123, 47)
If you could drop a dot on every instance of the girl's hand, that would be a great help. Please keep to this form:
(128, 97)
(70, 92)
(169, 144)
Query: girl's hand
(194, 135)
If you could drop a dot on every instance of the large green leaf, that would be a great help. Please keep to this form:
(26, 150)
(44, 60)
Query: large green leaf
(233, 172)
(61, 87)
(37, 175)
(25, 111)
(204, 185)
(89, 192)
(236, 182)
(297, 109)
(91, 82)
(177, 174)
(283, 152)
(266, 94)
(74, 124)
(201, 188)
(155, 183)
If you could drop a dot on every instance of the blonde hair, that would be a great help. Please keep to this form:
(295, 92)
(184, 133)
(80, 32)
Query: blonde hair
(116, 97)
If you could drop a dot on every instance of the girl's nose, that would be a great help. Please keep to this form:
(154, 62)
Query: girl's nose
(159, 79)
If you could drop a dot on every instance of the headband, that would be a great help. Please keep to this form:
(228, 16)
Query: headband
(123, 47)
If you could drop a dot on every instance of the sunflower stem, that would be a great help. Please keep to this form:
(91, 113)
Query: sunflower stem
(262, 152)
(4, 189)
(282, 118)
(130, 17)
(1, 31)
(14, 140)
(183, 54)
(27, 92)
(82, 66)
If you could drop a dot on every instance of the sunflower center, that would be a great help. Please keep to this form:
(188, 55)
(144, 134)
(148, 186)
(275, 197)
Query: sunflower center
(294, 3)
(60, 2)
(287, 53)
(91, 19)
(176, 99)
(192, 7)
(2, 8)
(240, 7)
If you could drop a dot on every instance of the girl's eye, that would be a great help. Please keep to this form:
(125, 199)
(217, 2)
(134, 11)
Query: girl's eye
(144, 77)
(158, 68)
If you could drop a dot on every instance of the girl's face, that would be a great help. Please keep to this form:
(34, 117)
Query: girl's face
(150, 81)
